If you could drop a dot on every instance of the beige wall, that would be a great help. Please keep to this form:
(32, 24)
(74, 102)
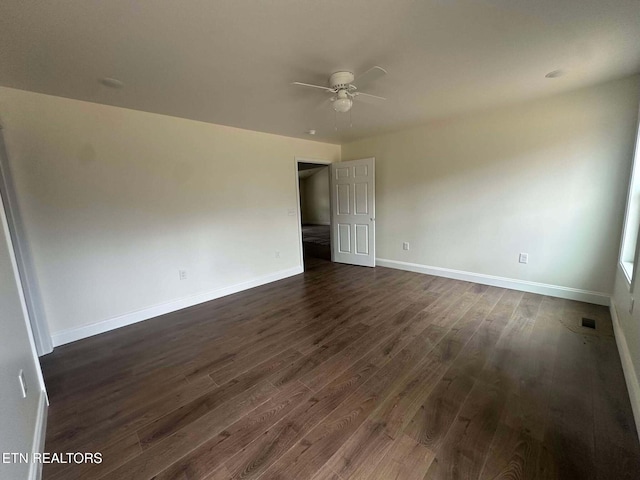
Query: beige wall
(18, 416)
(548, 178)
(628, 338)
(116, 201)
(626, 300)
(314, 196)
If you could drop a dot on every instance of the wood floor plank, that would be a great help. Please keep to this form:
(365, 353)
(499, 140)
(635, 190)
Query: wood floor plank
(224, 327)
(464, 448)
(191, 412)
(195, 316)
(326, 473)
(394, 412)
(503, 367)
(435, 416)
(354, 457)
(405, 460)
(212, 454)
(291, 319)
(378, 373)
(262, 453)
(113, 456)
(220, 474)
(570, 424)
(238, 366)
(253, 460)
(516, 445)
(462, 303)
(123, 392)
(305, 340)
(330, 369)
(242, 353)
(615, 436)
(513, 454)
(319, 355)
(398, 411)
(98, 434)
(528, 407)
(167, 451)
(310, 453)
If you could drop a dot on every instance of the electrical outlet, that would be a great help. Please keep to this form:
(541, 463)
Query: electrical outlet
(182, 274)
(291, 212)
(524, 258)
(277, 254)
(405, 245)
(23, 384)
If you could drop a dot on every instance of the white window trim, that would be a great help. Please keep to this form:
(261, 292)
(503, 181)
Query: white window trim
(628, 268)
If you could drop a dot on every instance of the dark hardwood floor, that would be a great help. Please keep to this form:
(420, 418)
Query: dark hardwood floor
(316, 242)
(349, 373)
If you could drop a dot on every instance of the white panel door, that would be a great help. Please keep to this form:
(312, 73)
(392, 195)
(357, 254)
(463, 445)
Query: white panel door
(353, 226)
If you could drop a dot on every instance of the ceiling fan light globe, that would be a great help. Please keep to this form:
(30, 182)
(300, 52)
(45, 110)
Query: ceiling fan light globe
(342, 105)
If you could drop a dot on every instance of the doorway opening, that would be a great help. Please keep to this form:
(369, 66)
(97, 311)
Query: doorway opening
(315, 211)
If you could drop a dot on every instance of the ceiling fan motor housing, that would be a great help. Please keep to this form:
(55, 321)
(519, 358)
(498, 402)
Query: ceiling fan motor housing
(340, 84)
(341, 80)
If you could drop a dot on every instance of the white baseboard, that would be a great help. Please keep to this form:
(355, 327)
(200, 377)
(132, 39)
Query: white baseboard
(633, 386)
(73, 334)
(39, 434)
(598, 298)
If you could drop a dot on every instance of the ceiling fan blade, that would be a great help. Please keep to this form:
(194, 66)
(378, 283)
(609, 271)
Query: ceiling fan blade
(323, 104)
(326, 89)
(369, 76)
(357, 94)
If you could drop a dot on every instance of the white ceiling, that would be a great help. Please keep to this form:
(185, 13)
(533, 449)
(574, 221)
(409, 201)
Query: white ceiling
(305, 170)
(308, 173)
(231, 61)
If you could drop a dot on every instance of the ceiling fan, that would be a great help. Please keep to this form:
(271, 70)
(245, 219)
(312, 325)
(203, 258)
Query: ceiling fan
(344, 86)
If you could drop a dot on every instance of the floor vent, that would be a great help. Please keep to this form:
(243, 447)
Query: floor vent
(588, 322)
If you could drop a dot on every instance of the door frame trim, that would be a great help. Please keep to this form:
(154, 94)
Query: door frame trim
(317, 161)
(26, 269)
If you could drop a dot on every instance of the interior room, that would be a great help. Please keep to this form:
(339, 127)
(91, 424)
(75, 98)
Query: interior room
(315, 210)
(303, 240)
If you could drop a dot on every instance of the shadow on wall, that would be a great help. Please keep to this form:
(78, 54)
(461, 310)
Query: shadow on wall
(314, 198)
(548, 177)
(116, 202)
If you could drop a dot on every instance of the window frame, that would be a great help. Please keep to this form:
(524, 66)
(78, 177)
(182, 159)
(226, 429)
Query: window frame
(629, 244)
